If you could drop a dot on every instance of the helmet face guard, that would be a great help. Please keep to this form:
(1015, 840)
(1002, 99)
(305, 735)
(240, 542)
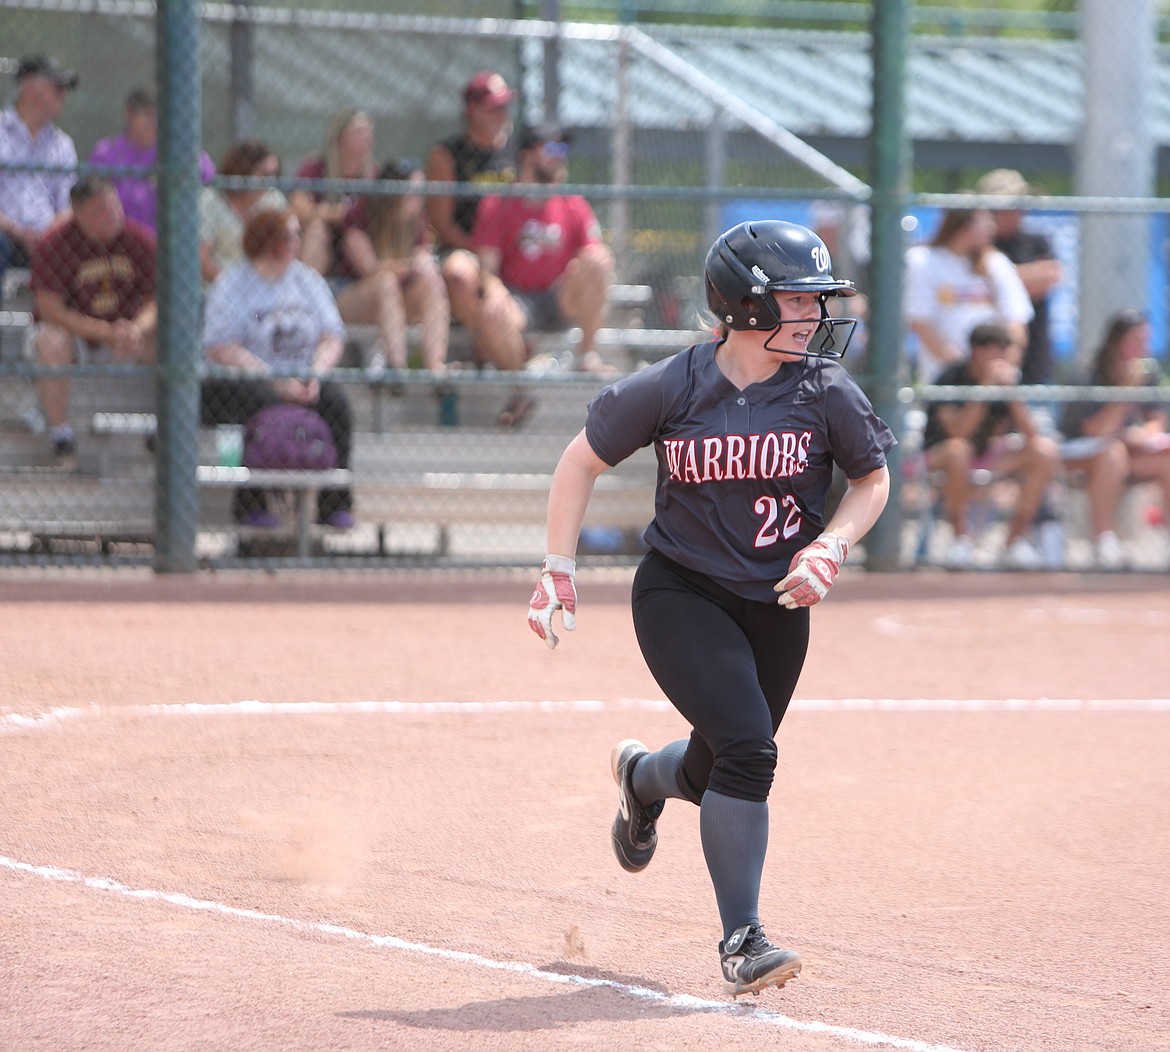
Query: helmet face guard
(752, 260)
(831, 340)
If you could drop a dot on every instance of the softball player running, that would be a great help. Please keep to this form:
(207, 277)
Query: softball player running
(746, 428)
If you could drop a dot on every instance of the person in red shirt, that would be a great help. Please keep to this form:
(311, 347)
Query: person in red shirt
(94, 282)
(547, 251)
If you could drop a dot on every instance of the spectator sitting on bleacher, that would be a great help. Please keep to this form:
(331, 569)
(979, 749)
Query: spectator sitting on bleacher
(481, 153)
(387, 234)
(137, 147)
(1140, 429)
(270, 315)
(224, 213)
(548, 252)
(31, 202)
(94, 282)
(999, 436)
(348, 153)
(372, 299)
(1035, 262)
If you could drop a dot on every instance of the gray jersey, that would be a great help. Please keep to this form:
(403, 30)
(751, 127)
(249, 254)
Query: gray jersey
(742, 475)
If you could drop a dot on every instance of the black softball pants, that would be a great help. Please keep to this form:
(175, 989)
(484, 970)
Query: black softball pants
(728, 664)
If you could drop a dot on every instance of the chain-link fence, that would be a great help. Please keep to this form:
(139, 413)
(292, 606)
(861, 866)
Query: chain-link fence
(309, 271)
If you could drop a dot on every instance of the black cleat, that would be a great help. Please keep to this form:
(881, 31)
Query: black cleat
(750, 962)
(635, 833)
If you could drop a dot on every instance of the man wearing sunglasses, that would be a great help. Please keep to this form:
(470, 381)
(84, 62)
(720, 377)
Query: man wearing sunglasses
(547, 250)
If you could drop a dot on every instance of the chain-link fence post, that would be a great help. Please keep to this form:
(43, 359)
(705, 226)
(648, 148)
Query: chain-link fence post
(1115, 157)
(891, 174)
(179, 289)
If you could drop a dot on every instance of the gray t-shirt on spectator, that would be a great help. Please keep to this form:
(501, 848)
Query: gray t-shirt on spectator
(281, 321)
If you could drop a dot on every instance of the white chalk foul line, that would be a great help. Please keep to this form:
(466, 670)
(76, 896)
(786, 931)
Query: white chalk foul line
(984, 705)
(245, 708)
(297, 708)
(16, 723)
(679, 1001)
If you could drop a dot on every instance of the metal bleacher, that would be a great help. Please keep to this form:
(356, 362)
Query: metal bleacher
(433, 467)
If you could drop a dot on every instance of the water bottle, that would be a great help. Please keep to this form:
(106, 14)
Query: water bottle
(1051, 535)
(448, 407)
(229, 445)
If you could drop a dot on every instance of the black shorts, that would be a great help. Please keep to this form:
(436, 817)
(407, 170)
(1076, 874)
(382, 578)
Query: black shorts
(542, 310)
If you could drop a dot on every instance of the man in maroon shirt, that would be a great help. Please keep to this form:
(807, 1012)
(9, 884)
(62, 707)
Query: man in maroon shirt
(94, 281)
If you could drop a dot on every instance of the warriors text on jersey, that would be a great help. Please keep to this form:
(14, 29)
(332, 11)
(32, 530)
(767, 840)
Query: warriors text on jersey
(742, 475)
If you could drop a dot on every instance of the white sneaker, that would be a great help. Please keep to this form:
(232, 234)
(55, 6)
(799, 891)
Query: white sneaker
(1021, 554)
(960, 554)
(1108, 554)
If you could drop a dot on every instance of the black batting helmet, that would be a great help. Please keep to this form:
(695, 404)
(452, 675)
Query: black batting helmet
(750, 260)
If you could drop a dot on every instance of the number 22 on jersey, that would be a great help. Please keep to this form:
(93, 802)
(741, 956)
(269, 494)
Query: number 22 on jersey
(769, 508)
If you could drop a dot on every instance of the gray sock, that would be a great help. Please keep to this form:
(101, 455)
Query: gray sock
(656, 774)
(735, 840)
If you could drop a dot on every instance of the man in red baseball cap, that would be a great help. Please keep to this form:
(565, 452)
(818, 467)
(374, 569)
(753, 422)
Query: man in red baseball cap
(479, 154)
(488, 87)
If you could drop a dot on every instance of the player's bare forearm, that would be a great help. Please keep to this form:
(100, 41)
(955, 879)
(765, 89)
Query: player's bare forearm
(569, 495)
(861, 506)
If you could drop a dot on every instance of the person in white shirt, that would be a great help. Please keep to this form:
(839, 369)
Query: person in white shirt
(956, 281)
(30, 202)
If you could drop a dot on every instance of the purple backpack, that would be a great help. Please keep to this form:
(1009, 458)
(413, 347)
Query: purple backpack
(288, 437)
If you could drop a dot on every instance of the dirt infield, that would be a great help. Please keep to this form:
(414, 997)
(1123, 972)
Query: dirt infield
(372, 812)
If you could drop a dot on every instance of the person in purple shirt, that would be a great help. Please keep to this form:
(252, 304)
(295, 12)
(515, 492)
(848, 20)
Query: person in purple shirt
(137, 147)
(747, 429)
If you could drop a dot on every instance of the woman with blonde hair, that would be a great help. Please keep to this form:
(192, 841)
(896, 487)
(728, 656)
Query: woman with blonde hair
(347, 153)
(959, 280)
(388, 234)
(372, 298)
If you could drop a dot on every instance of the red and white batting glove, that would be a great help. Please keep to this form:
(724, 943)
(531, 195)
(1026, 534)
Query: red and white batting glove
(812, 571)
(554, 592)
